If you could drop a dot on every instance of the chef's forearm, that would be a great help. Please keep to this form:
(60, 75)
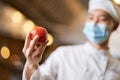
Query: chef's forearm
(29, 70)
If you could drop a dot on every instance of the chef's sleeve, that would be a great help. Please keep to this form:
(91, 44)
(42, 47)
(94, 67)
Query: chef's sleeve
(48, 70)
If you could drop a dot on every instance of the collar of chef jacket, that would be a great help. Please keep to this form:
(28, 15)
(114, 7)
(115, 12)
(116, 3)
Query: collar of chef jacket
(92, 51)
(97, 57)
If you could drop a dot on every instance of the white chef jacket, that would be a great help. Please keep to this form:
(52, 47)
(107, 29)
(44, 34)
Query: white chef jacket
(78, 62)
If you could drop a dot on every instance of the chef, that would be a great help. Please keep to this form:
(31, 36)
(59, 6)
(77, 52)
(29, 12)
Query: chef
(88, 61)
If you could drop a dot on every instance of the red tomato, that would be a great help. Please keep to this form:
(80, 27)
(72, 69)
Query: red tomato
(41, 32)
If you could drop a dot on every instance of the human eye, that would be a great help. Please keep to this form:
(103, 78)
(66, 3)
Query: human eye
(90, 17)
(103, 18)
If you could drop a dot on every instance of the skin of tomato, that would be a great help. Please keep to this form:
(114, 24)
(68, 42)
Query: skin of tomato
(41, 32)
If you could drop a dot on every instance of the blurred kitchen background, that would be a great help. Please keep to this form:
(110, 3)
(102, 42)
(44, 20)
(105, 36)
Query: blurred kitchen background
(64, 20)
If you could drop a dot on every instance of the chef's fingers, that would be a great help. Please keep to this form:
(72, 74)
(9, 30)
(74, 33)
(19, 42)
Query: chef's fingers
(27, 42)
(39, 52)
(40, 49)
(33, 43)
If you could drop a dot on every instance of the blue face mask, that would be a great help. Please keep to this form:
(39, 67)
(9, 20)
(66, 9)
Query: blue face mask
(97, 33)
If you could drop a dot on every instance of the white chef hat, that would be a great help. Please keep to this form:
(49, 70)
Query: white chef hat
(106, 5)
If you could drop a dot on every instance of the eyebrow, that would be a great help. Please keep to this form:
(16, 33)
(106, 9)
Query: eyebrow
(90, 14)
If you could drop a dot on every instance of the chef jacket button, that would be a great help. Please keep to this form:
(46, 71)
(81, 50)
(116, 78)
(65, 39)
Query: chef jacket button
(101, 77)
(100, 74)
(86, 70)
(103, 58)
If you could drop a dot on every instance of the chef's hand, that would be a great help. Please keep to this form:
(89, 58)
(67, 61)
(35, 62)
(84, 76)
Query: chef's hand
(33, 53)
